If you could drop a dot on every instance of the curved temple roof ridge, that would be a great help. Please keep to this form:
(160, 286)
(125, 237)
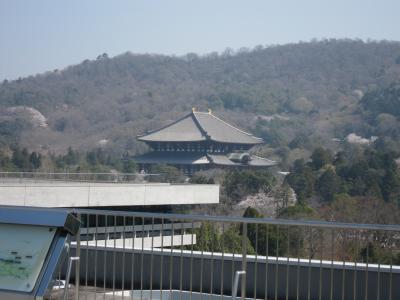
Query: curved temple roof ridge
(200, 126)
(230, 125)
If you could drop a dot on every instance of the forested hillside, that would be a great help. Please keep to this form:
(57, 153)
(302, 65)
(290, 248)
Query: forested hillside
(295, 96)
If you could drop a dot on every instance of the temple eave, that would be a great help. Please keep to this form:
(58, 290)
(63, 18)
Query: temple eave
(198, 159)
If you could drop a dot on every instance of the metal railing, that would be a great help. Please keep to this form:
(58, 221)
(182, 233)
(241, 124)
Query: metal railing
(84, 177)
(132, 255)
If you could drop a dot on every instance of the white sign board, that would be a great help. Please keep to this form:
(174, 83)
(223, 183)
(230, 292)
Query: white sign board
(23, 250)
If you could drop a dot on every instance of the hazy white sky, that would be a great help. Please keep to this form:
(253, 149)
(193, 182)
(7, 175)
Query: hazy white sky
(40, 35)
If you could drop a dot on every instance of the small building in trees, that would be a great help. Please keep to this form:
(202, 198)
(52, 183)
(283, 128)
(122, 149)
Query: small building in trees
(199, 141)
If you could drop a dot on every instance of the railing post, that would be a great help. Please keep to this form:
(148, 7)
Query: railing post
(236, 283)
(78, 254)
(244, 260)
(68, 275)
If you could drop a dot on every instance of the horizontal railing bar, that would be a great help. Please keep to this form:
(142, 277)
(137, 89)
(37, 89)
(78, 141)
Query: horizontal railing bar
(108, 184)
(321, 224)
(80, 183)
(75, 173)
(280, 260)
(136, 228)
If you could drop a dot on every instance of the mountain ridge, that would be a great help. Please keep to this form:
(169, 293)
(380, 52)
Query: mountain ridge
(318, 83)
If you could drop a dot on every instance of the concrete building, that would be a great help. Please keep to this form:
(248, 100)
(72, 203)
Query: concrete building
(96, 194)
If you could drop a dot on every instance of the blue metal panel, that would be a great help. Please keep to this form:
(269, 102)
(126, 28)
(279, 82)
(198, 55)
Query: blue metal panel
(39, 217)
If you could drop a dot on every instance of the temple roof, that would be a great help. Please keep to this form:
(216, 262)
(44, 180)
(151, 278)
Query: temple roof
(200, 126)
(188, 158)
(255, 161)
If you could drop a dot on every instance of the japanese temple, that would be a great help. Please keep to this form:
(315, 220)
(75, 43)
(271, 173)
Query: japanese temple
(199, 141)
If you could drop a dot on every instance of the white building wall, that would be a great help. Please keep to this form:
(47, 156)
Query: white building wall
(105, 194)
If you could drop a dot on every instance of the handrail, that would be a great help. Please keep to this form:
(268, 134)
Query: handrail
(81, 173)
(228, 219)
(79, 176)
(316, 259)
(136, 228)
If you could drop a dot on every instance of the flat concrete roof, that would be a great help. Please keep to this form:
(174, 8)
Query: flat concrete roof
(84, 194)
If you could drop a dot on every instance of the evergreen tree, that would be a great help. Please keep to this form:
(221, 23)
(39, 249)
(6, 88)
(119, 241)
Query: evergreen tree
(328, 185)
(91, 158)
(20, 158)
(239, 184)
(302, 180)
(265, 239)
(72, 157)
(391, 186)
(165, 173)
(321, 157)
(128, 165)
(36, 160)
